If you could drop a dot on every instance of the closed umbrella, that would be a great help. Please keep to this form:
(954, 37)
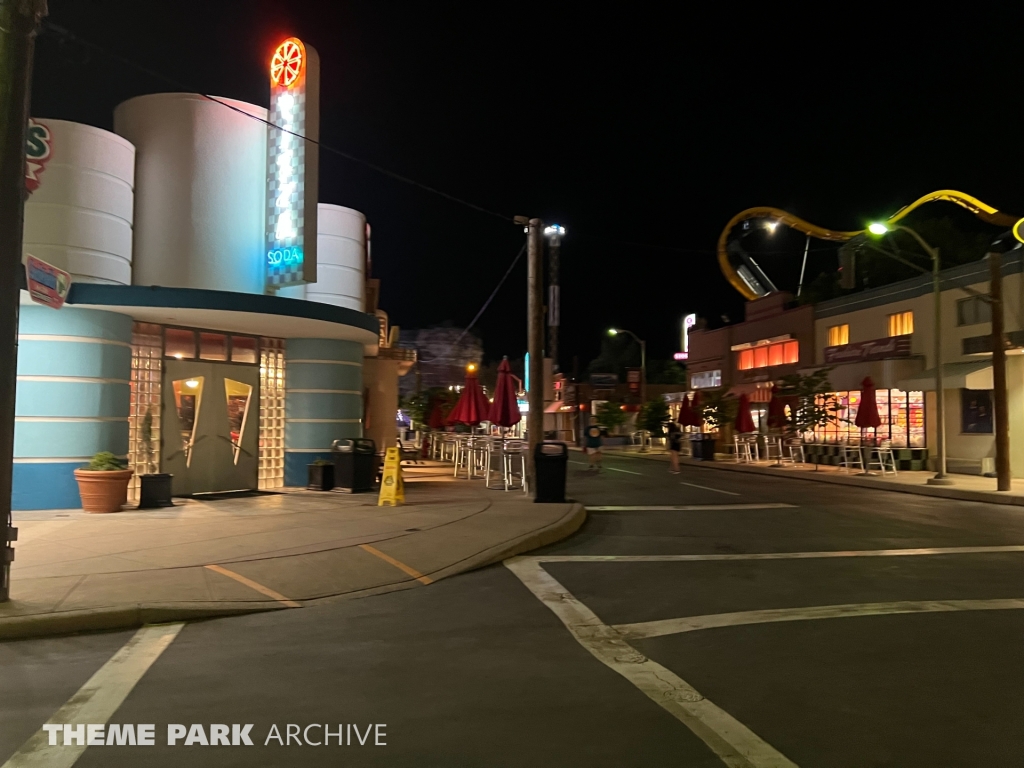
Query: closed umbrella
(744, 421)
(472, 407)
(437, 420)
(504, 410)
(867, 413)
(776, 409)
(696, 414)
(685, 417)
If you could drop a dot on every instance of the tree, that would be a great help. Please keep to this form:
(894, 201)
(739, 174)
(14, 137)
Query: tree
(653, 417)
(665, 372)
(717, 408)
(610, 415)
(618, 352)
(813, 403)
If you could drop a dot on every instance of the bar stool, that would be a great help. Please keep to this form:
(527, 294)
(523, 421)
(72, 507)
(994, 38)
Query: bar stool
(514, 457)
(773, 448)
(495, 463)
(478, 447)
(795, 447)
(462, 456)
(850, 457)
(883, 457)
(746, 448)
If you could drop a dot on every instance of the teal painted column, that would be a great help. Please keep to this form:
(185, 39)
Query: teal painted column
(323, 400)
(73, 399)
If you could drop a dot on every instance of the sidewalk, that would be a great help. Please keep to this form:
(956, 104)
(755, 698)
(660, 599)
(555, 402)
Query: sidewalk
(76, 572)
(964, 488)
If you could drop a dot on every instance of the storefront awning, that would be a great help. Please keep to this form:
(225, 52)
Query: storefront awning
(974, 375)
(886, 374)
(760, 392)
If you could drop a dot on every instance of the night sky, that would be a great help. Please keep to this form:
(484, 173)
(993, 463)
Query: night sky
(641, 130)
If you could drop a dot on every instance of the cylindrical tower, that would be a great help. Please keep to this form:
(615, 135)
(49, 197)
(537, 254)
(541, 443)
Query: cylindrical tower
(201, 181)
(79, 218)
(341, 257)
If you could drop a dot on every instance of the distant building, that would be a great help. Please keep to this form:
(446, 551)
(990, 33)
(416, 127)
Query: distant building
(443, 352)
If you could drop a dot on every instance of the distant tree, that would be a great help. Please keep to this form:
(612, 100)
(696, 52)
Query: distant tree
(717, 407)
(617, 353)
(665, 372)
(653, 416)
(610, 415)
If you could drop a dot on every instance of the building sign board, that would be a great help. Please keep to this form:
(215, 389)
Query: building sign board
(46, 284)
(604, 380)
(863, 351)
(38, 148)
(292, 164)
(688, 322)
(706, 379)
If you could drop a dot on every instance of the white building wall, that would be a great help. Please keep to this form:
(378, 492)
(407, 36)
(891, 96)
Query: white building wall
(80, 217)
(201, 191)
(341, 258)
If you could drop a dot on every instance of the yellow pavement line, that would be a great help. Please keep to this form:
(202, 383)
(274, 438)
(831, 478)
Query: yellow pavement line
(398, 564)
(255, 585)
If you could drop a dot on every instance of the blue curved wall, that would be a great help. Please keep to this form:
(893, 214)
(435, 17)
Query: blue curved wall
(323, 401)
(73, 397)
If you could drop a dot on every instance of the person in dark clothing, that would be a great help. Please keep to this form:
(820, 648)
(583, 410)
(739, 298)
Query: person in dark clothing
(675, 445)
(593, 447)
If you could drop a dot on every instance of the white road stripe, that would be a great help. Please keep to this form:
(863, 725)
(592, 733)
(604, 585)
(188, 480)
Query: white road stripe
(733, 742)
(627, 471)
(662, 627)
(709, 488)
(778, 555)
(692, 508)
(98, 699)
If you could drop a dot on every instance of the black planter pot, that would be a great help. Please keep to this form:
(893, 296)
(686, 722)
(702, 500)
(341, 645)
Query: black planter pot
(321, 477)
(155, 491)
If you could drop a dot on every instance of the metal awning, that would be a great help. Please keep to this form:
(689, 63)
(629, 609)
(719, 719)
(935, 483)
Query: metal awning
(973, 375)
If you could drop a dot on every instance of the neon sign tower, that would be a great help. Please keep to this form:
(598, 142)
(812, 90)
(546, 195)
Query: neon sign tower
(292, 164)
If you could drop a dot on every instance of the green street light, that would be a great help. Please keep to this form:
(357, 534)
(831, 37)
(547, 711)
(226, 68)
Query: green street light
(877, 228)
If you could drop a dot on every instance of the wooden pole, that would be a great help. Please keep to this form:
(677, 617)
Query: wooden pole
(1000, 401)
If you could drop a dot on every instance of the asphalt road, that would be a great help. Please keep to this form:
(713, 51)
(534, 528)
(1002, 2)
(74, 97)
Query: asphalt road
(705, 633)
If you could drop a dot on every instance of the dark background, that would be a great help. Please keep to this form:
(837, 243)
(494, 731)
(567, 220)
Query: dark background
(640, 129)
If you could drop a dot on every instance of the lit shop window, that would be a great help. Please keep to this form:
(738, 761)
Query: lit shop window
(838, 335)
(901, 413)
(766, 355)
(901, 324)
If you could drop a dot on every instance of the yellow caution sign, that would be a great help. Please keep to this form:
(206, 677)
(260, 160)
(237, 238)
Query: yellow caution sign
(392, 487)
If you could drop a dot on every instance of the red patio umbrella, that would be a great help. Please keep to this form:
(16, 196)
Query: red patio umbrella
(685, 417)
(437, 420)
(744, 421)
(867, 413)
(696, 414)
(504, 411)
(472, 407)
(776, 409)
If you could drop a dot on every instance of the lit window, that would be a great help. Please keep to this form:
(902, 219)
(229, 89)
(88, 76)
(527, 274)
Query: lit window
(791, 351)
(760, 357)
(901, 324)
(213, 346)
(838, 335)
(746, 360)
(180, 344)
(243, 349)
(775, 354)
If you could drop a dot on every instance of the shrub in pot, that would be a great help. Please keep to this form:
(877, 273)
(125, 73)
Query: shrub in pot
(103, 483)
(321, 475)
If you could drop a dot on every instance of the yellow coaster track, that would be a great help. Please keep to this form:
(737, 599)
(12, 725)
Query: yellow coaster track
(972, 204)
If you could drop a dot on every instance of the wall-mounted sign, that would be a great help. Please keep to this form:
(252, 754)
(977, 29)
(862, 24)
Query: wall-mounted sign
(46, 284)
(38, 148)
(876, 349)
(604, 380)
(706, 379)
(292, 164)
(688, 322)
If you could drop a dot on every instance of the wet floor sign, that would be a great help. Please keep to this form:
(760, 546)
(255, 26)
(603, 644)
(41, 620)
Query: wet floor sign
(392, 487)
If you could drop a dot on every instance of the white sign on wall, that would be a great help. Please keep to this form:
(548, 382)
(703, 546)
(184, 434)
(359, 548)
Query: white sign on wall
(292, 164)
(706, 379)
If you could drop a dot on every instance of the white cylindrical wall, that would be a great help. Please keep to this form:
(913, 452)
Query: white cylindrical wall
(200, 191)
(341, 257)
(80, 217)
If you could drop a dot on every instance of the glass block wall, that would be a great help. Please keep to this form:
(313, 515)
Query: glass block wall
(271, 414)
(144, 416)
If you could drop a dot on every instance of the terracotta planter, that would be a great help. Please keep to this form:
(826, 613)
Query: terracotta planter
(103, 491)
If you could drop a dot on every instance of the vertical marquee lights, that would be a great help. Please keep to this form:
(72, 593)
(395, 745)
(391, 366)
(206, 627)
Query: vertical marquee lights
(292, 164)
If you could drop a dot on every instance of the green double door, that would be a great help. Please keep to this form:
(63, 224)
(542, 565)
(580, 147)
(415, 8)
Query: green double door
(210, 426)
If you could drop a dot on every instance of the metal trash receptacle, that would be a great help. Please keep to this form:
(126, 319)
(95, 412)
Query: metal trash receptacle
(550, 461)
(703, 446)
(355, 464)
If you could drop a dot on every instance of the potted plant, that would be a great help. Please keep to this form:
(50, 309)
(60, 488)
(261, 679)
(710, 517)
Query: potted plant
(103, 483)
(321, 475)
(154, 487)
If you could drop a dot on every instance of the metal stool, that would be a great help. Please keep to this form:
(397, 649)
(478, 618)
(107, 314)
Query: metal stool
(746, 449)
(850, 457)
(883, 458)
(514, 456)
(795, 448)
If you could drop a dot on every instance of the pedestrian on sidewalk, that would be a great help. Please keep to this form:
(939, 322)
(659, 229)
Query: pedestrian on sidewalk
(675, 445)
(593, 447)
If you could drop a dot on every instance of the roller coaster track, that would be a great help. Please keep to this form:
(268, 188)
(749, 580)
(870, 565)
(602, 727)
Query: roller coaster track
(974, 205)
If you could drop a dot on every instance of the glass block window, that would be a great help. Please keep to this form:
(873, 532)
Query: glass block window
(144, 416)
(271, 414)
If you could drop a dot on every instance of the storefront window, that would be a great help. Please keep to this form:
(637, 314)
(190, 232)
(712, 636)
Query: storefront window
(766, 355)
(243, 349)
(239, 395)
(976, 411)
(188, 398)
(902, 415)
(213, 346)
(179, 344)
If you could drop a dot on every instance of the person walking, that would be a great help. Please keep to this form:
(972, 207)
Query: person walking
(593, 447)
(675, 445)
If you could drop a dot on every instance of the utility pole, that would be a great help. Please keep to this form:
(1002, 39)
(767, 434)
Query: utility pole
(19, 21)
(534, 341)
(1000, 400)
(940, 393)
(554, 234)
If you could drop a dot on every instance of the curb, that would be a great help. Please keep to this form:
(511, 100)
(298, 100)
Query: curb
(957, 494)
(136, 615)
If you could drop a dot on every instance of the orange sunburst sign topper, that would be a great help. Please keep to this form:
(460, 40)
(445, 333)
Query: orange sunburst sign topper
(287, 62)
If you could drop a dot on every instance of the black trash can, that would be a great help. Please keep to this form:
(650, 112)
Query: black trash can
(703, 445)
(550, 460)
(355, 464)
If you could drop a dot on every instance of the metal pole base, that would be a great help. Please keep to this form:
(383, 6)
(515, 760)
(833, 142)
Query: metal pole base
(940, 481)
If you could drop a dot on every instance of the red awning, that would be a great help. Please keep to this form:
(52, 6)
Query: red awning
(759, 392)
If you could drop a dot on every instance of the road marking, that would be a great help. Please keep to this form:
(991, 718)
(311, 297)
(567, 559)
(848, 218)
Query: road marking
(98, 699)
(779, 555)
(580, 463)
(709, 488)
(733, 742)
(398, 564)
(692, 508)
(255, 585)
(662, 627)
(627, 471)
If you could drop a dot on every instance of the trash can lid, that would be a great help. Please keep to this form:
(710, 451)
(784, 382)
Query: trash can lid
(552, 449)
